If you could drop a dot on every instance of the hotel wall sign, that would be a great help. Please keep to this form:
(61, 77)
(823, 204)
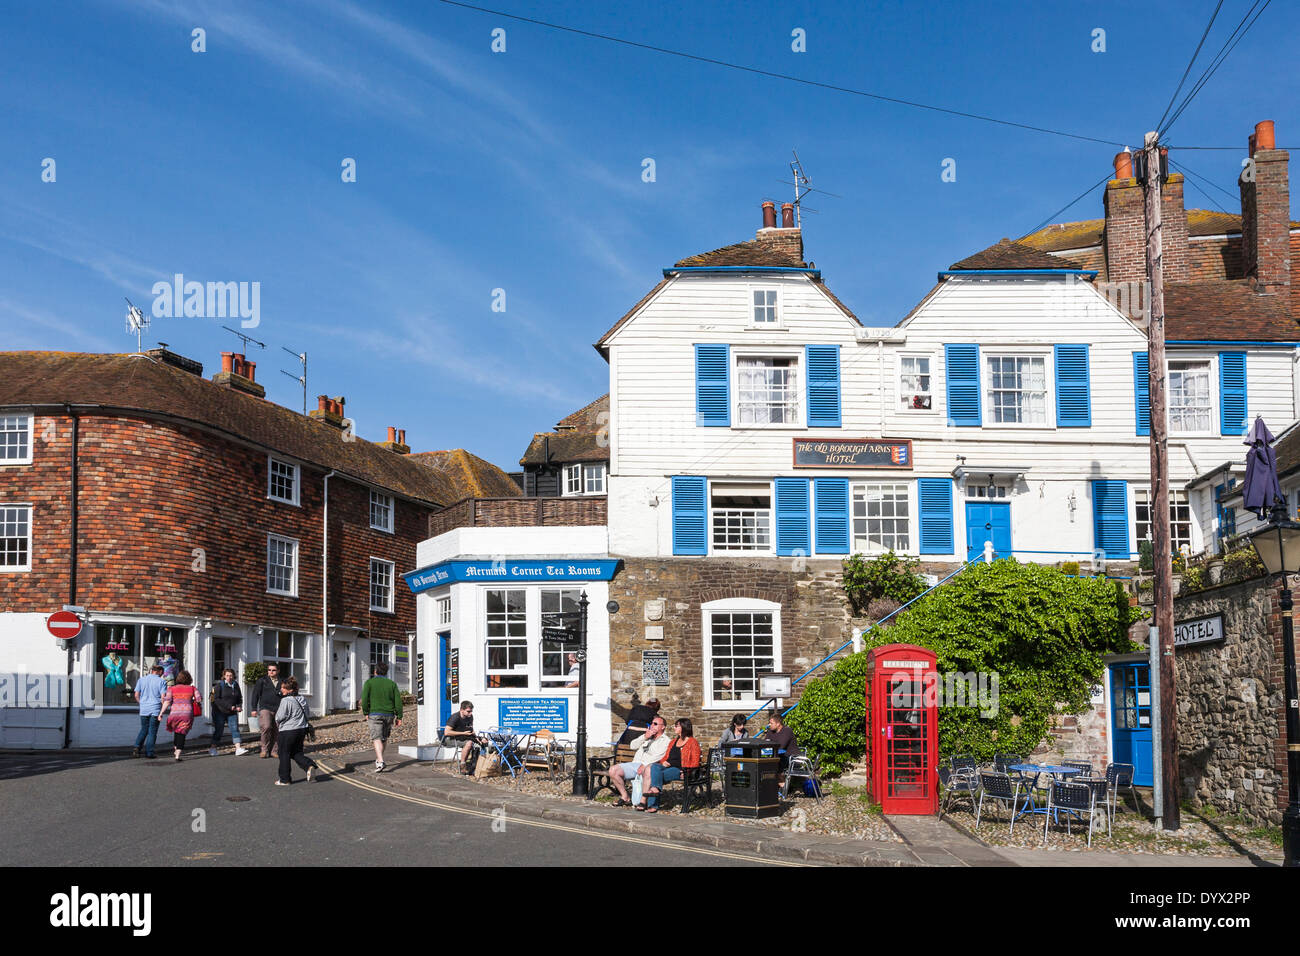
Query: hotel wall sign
(852, 453)
(1202, 630)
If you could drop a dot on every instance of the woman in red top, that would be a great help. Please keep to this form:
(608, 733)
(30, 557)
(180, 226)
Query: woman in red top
(181, 703)
(682, 755)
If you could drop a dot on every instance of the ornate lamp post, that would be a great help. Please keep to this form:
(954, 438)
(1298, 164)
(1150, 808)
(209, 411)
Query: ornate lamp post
(1278, 546)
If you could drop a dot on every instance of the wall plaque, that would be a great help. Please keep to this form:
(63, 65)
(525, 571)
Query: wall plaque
(654, 668)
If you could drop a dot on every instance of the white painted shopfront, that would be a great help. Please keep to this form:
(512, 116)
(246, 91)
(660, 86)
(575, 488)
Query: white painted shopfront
(483, 597)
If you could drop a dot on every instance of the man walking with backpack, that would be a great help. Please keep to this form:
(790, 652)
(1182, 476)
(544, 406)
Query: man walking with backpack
(381, 703)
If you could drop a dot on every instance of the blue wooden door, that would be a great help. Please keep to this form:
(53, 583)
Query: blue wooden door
(1130, 718)
(445, 680)
(988, 521)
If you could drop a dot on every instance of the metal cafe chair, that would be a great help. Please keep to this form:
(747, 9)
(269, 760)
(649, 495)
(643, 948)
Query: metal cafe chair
(1082, 765)
(1100, 790)
(1118, 775)
(957, 785)
(803, 767)
(504, 742)
(1075, 799)
(1000, 788)
(964, 764)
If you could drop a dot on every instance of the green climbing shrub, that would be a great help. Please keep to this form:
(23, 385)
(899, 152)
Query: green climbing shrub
(1041, 632)
(884, 576)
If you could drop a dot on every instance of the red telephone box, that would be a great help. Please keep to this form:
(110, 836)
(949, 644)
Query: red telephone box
(903, 729)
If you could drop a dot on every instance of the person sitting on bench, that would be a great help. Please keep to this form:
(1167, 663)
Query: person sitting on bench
(683, 754)
(650, 748)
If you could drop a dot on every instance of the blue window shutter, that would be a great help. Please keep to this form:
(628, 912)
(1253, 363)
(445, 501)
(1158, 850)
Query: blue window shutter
(962, 364)
(831, 504)
(935, 495)
(713, 385)
(1073, 398)
(823, 386)
(792, 529)
(690, 515)
(1142, 392)
(1232, 393)
(1110, 518)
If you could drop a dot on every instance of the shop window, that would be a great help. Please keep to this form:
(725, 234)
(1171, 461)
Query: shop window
(742, 640)
(506, 642)
(559, 609)
(381, 652)
(15, 439)
(291, 650)
(125, 652)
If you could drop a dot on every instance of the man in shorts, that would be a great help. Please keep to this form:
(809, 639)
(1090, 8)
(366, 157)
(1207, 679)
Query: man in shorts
(650, 748)
(381, 703)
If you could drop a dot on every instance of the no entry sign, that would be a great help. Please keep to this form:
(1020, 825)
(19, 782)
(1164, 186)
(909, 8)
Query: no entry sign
(63, 624)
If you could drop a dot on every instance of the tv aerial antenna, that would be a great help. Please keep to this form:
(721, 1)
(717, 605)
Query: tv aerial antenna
(245, 338)
(802, 187)
(300, 379)
(136, 322)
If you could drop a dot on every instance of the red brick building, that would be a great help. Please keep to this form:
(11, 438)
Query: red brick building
(195, 519)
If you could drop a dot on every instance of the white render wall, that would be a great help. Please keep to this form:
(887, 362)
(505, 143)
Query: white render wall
(654, 435)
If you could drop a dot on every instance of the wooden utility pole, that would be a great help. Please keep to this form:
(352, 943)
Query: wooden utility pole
(1162, 550)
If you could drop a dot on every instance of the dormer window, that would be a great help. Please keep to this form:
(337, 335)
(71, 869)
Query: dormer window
(765, 308)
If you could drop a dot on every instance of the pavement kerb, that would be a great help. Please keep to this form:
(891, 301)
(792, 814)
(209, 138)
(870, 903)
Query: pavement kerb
(783, 845)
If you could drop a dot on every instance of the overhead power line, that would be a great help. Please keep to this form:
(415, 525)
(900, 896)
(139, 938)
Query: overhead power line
(1229, 45)
(1192, 182)
(1190, 63)
(778, 76)
(1058, 212)
(1205, 179)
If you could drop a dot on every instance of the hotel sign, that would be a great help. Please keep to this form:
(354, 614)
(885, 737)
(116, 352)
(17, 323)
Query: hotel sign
(852, 453)
(1202, 630)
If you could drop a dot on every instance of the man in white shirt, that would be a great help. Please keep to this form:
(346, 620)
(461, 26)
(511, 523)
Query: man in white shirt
(650, 748)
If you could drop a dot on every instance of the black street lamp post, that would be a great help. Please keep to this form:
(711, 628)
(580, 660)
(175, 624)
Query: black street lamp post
(580, 771)
(1278, 546)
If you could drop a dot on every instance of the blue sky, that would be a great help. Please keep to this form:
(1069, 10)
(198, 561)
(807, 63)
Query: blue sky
(522, 170)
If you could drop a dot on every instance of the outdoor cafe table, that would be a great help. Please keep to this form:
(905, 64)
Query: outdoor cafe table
(1037, 770)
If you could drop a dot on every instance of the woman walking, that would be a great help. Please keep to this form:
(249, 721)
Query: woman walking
(181, 704)
(227, 701)
(291, 719)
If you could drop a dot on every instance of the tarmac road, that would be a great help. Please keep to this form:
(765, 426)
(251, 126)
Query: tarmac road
(83, 810)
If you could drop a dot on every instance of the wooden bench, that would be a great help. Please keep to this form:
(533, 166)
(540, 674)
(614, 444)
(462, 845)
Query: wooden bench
(693, 779)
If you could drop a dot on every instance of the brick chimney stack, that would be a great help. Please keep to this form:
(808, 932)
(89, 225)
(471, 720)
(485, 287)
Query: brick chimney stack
(239, 373)
(1266, 213)
(1126, 241)
(328, 410)
(788, 238)
(396, 441)
(1126, 244)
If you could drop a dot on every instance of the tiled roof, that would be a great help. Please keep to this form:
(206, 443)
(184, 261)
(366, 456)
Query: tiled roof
(586, 440)
(140, 383)
(1088, 232)
(468, 475)
(1008, 254)
(779, 248)
(1227, 310)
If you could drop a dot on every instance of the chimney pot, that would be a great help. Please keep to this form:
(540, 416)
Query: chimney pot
(1124, 165)
(401, 436)
(250, 371)
(392, 433)
(227, 361)
(1264, 136)
(769, 214)
(787, 215)
(322, 403)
